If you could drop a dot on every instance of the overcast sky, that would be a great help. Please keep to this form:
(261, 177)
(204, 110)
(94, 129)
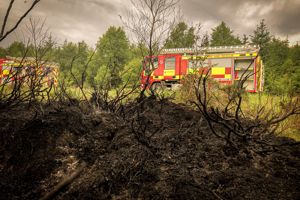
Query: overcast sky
(77, 20)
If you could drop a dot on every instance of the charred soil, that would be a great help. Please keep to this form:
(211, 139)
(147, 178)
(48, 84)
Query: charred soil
(167, 151)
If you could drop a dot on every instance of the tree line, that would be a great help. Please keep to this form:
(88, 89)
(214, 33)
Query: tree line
(116, 60)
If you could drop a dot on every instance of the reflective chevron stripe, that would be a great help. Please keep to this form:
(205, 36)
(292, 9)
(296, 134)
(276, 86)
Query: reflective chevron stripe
(218, 70)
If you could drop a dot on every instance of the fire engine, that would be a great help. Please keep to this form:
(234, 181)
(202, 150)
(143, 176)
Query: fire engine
(26, 67)
(227, 64)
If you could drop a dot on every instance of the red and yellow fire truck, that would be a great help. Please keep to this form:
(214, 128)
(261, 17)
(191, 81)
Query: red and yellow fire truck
(228, 65)
(22, 68)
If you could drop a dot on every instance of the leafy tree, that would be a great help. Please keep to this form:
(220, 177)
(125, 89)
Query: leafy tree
(282, 63)
(137, 51)
(132, 71)
(72, 56)
(112, 52)
(2, 52)
(276, 53)
(103, 77)
(296, 79)
(295, 54)
(222, 35)
(80, 60)
(181, 36)
(261, 35)
(65, 55)
(16, 49)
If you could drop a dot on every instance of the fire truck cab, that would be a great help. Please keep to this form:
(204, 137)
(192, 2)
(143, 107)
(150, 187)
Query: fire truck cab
(228, 65)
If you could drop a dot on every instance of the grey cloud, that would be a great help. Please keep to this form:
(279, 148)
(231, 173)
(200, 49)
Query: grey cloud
(107, 5)
(286, 19)
(88, 19)
(281, 15)
(78, 20)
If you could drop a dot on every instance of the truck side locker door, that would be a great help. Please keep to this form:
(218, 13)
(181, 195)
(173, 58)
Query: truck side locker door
(169, 67)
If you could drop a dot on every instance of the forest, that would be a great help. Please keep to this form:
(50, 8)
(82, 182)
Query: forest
(280, 59)
(97, 133)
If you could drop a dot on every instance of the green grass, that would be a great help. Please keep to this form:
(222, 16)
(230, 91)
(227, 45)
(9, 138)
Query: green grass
(273, 105)
(251, 103)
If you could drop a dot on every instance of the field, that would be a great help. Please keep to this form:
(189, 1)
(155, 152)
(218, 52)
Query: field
(289, 128)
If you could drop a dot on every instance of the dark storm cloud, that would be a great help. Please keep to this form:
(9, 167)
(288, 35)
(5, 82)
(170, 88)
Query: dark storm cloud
(74, 20)
(286, 19)
(282, 16)
(78, 19)
(86, 20)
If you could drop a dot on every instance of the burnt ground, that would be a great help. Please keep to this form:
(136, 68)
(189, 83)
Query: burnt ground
(165, 152)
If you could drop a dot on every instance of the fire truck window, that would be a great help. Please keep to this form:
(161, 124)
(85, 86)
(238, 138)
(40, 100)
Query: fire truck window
(221, 62)
(148, 64)
(244, 64)
(155, 63)
(170, 63)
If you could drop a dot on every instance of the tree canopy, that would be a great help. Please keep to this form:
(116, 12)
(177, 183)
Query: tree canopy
(112, 53)
(72, 58)
(261, 35)
(16, 49)
(182, 36)
(222, 35)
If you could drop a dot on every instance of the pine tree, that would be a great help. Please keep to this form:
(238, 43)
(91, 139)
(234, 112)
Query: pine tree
(222, 35)
(245, 39)
(181, 36)
(261, 35)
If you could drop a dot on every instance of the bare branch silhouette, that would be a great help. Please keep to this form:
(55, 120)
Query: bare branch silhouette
(4, 33)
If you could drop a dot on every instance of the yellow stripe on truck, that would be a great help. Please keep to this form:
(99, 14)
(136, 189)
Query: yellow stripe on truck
(5, 72)
(169, 72)
(229, 55)
(218, 70)
(228, 76)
